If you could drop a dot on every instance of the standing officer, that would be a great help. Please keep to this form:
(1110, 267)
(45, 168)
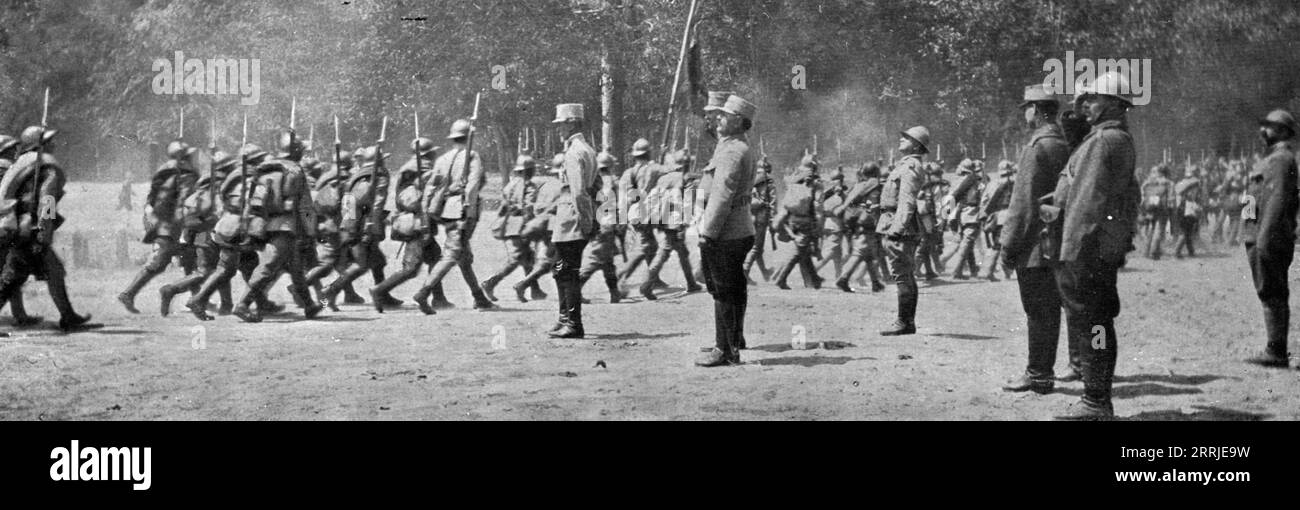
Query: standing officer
(452, 195)
(29, 195)
(1022, 241)
(996, 200)
(173, 181)
(635, 184)
(764, 201)
(727, 231)
(1269, 224)
(1098, 199)
(575, 218)
(600, 255)
(667, 198)
(901, 226)
(860, 210)
(517, 199)
(799, 221)
(966, 197)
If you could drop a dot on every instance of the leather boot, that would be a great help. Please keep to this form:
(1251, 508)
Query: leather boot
(784, 273)
(350, 295)
(652, 275)
(1277, 321)
(615, 294)
(692, 284)
(127, 297)
(421, 299)
(991, 266)
(438, 300)
(310, 308)
(481, 302)
(490, 285)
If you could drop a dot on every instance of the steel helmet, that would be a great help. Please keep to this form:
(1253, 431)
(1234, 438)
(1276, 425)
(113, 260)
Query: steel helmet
(288, 146)
(223, 161)
(640, 147)
(31, 135)
(1282, 118)
(605, 160)
(345, 158)
(253, 153)
(178, 149)
(919, 134)
(525, 162)
(1110, 84)
(423, 146)
(966, 166)
(7, 142)
(459, 129)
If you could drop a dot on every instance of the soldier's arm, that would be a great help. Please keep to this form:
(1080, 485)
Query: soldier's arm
(853, 194)
(474, 183)
(908, 186)
(726, 182)
(1276, 193)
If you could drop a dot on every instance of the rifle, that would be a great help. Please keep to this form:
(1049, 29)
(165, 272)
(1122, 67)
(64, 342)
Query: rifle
(48, 209)
(469, 148)
(212, 165)
(248, 189)
(677, 79)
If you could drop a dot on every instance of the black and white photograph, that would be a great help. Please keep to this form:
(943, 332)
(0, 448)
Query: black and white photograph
(648, 210)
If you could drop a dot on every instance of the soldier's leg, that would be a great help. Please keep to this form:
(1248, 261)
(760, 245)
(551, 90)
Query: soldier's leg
(451, 253)
(569, 254)
(163, 249)
(205, 262)
(540, 269)
(17, 309)
(228, 263)
(666, 239)
(684, 259)
(965, 251)
(1041, 302)
(464, 233)
(857, 252)
(17, 268)
(514, 258)
(1270, 278)
(996, 254)
(1091, 301)
(272, 258)
(358, 258)
(413, 257)
(901, 253)
(56, 279)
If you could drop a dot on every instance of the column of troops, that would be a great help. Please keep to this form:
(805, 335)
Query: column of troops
(1062, 219)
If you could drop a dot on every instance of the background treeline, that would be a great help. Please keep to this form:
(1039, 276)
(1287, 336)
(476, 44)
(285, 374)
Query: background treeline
(873, 67)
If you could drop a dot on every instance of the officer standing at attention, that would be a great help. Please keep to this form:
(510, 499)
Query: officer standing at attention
(901, 226)
(574, 223)
(1098, 198)
(1269, 224)
(1022, 243)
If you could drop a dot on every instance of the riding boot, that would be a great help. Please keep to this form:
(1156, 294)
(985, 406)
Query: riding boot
(783, 273)
(652, 274)
(127, 297)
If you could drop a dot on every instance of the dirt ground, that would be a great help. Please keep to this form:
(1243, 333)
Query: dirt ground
(1184, 328)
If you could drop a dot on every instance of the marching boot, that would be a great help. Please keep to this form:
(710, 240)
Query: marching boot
(530, 280)
(652, 275)
(350, 295)
(876, 285)
(481, 302)
(611, 283)
(784, 273)
(297, 297)
(906, 322)
(421, 299)
(310, 308)
(69, 320)
(490, 285)
(534, 290)
(992, 265)
(810, 273)
(127, 297)
(19, 312)
(692, 284)
(1097, 369)
(329, 296)
(852, 265)
(1277, 320)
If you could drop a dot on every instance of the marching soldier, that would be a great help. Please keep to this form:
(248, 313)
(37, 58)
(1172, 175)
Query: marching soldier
(452, 201)
(799, 221)
(575, 218)
(600, 254)
(966, 198)
(1024, 247)
(173, 181)
(832, 234)
(1157, 209)
(363, 209)
(411, 226)
(900, 225)
(517, 198)
(1230, 191)
(29, 195)
(236, 249)
(279, 199)
(1269, 224)
(331, 255)
(635, 184)
(996, 199)
(200, 211)
(8, 152)
(666, 197)
(761, 207)
(727, 231)
(1098, 199)
(930, 249)
(860, 210)
(538, 230)
(1188, 213)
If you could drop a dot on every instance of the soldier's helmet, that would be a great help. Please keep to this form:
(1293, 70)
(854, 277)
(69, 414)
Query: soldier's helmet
(288, 146)
(311, 165)
(223, 161)
(966, 166)
(919, 134)
(368, 155)
(525, 163)
(869, 171)
(345, 158)
(1110, 84)
(934, 169)
(253, 153)
(459, 129)
(1005, 167)
(641, 147)
(6, 143)
(35, 135)
(423, 146)
(557, 163)
(178, 149)
(1281, 118)
(605, 160)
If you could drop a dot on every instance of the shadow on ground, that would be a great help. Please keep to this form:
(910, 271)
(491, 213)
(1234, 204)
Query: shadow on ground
(1199, 413)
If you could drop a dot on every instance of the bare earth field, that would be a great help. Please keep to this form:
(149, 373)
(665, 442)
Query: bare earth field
(1184, 328)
